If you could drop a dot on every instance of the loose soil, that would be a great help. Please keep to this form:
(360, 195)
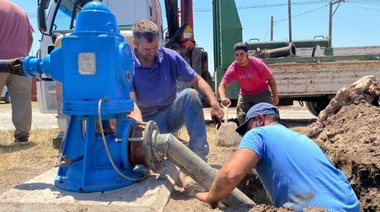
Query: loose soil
(348, 132)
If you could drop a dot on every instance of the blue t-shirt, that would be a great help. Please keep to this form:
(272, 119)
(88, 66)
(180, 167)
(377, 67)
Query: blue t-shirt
(296, 173)
(156, 87)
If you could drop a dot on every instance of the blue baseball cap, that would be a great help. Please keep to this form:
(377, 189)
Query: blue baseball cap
(263, 108)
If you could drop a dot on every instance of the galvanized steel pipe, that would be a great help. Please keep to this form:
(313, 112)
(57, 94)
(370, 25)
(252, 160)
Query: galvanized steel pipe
(161, 145)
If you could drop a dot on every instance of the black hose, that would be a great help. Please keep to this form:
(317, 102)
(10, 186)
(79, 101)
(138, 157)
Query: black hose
(13, 66)
(5, 66)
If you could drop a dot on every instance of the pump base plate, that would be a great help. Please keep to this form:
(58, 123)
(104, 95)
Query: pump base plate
(150, 194)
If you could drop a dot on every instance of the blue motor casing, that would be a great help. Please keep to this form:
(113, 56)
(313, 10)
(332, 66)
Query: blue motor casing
(95, 67)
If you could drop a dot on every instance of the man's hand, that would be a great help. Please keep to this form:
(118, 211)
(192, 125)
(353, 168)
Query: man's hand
(225, 101)
(16, 66)
(202, 196)
(217, 115)
(275, 100)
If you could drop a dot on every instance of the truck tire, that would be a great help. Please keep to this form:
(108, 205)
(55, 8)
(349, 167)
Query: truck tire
(315, 107)
(7, 98)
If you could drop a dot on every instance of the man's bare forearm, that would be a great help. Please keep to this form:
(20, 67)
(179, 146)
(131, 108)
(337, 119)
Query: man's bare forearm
(222, 91)
(221, 188)
(205, 90)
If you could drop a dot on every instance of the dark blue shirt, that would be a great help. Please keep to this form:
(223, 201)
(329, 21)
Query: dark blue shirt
(156, 87)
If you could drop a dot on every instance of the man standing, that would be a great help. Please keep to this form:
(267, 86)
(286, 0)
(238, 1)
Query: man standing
(154, 89)
(293, 169)
(254, 78)
(16, 41)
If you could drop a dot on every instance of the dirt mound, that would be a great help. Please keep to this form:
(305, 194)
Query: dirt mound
(348, 131)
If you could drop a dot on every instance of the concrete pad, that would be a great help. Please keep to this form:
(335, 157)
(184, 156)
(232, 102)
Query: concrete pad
(40, 194)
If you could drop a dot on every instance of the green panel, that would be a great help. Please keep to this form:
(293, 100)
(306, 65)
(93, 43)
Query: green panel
(227, 31)
(329, 51)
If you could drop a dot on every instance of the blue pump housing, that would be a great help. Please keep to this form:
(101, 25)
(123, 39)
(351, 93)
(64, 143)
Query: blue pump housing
(95, 67)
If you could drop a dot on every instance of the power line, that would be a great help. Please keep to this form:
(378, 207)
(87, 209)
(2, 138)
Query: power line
(367, 2)
(352, 3)
(266, 5)
(283, 4)
(364, 8)
(302, 13)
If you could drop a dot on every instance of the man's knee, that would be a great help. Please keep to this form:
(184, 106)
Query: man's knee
(192, 94)
(190, 97)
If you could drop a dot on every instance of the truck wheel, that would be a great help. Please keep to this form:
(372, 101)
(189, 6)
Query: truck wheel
(7, 98)
(316, 107)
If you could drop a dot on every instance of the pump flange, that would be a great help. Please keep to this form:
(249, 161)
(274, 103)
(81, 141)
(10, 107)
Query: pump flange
(149, 145)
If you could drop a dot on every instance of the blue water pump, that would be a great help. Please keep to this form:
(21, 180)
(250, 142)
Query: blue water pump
(94, 65)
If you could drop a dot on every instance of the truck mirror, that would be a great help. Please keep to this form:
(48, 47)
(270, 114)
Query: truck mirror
(41, 19)
(44, 3)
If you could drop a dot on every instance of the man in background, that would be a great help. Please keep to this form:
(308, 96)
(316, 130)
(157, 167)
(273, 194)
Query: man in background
(254, 78)
(16, 41)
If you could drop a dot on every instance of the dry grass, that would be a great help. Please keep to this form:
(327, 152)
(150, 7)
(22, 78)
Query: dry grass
(39, 147)
(20, 163)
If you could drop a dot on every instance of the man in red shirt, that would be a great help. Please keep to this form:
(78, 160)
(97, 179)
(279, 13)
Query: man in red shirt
(16, 41)
(254, 78)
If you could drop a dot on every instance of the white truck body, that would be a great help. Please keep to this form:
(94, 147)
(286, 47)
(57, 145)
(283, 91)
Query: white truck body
(315, 80)
(319, 77)
(59, 22)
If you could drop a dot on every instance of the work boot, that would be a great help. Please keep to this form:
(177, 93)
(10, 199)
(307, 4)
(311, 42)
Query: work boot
(22, 141)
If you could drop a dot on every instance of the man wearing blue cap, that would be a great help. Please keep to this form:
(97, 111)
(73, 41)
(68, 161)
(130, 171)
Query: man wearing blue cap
(292, 168)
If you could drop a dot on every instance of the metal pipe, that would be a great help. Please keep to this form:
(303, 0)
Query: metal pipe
(311, 43)
(279, 52)
(191, 164)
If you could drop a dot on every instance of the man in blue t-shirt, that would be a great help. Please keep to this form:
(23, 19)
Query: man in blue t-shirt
(293, 169)
(154, 89)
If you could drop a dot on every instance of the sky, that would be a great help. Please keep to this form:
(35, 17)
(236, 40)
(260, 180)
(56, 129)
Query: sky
(355, 22)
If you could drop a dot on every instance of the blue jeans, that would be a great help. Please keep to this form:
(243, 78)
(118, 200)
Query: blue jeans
(186, 110)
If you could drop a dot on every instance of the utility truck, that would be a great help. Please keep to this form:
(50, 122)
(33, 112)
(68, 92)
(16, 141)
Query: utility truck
(310, 71)
(57, 18)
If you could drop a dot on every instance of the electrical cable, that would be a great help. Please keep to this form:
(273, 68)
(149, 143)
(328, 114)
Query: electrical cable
(106, 147)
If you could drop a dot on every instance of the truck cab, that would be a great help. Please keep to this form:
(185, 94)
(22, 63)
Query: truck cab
(61, 16)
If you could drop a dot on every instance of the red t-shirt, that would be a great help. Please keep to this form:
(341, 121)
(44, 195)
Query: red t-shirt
(252, 79)
(14, 31)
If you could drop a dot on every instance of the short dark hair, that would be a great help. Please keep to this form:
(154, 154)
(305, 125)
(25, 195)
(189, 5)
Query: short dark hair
(145, 29)
(272, 118)
(240, 46)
